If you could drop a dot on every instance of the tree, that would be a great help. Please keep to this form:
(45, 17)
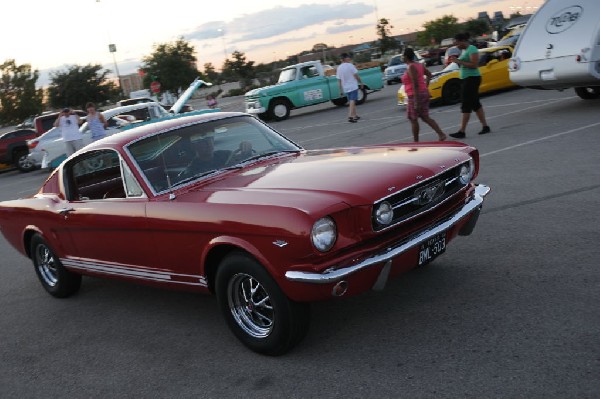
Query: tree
(437, 30)
(171, 64)
(80, 84)
(239, 69)
(476, 27)
(18, 96)
(211, 74)
(384, 32)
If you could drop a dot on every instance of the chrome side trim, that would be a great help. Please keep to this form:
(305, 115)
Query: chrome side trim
(474, 205)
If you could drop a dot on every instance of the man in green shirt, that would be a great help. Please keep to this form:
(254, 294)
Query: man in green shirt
(471, 79)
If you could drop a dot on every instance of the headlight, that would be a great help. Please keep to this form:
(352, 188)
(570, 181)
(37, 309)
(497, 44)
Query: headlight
(323, 234)
(466, 172)
(384, 213)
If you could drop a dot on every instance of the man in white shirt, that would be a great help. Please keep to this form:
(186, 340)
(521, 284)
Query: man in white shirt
(349, 83)
(68, 123)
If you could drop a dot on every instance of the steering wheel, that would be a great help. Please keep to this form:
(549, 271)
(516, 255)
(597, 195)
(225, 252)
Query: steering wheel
(238, 156)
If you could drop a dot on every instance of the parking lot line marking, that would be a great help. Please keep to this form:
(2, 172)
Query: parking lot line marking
(541, 139)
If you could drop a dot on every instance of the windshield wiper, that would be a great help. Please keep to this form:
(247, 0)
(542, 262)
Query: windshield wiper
(196, 176)
(266, 155)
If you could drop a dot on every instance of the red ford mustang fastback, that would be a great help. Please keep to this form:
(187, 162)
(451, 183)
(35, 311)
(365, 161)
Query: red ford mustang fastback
(222, 203)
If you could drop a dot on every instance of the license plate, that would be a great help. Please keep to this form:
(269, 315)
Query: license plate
(432, 248)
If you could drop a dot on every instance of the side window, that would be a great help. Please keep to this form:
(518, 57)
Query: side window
(132, 187)
(140, 114)
(95, 175)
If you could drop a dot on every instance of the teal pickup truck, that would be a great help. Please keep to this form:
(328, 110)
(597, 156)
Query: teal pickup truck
(306, 84)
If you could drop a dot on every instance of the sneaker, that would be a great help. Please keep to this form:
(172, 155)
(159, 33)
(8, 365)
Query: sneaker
(486, 129)
(458, 135)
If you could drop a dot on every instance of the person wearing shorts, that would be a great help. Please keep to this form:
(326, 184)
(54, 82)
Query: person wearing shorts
(415, 80)
(349, 83)
(471, 79)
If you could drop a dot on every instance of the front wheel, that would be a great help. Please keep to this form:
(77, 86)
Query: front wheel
(279, 109)
(588, 93)
(259, 314)
(23, 162)
(362, 95)
(58, 281)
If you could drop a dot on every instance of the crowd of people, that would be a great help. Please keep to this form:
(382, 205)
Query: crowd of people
(416, 81)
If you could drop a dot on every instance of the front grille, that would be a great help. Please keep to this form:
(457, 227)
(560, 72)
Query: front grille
(415, 200)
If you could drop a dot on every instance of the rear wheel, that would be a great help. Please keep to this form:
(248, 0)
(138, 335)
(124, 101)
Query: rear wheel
(259, 314)
(451, 92)
(362, 95)
(340, 102)
(279, 109)
(588, 93)
(58, 281)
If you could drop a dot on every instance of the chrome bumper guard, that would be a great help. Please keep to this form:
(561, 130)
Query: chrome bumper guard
(471, 208)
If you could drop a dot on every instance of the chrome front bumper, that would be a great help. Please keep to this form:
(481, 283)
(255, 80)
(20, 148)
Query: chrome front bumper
(471, 208)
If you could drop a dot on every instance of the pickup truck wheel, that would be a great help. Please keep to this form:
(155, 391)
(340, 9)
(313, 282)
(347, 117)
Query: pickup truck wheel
(340, 102)
(451, 92)
(279, 110)
(22, 161)
(58, 281)
(588, 93)
(258, 313)
(362, 96)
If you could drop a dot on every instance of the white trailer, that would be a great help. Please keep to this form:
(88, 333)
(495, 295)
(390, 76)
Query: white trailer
(560, 48)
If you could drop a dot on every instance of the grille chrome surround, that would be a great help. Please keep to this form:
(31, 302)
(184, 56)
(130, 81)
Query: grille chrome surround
(421, 197)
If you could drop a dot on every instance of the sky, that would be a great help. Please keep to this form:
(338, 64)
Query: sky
(52, 35)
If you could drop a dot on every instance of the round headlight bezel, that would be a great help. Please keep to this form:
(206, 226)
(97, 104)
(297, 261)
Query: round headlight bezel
(384, 213)
(466, 172)
(323, 234)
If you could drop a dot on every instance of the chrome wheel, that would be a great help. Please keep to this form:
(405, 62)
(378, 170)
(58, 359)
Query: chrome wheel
(280, 111)
(250, 305)
(46, 265)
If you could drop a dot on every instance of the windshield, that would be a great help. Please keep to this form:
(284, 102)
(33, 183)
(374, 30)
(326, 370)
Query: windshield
(395, 60)
(287, 75)
(188, 153)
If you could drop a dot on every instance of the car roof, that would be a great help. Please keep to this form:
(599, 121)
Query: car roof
(126, 108)
(123, 138)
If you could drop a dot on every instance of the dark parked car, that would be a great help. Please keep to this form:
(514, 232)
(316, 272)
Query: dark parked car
(13, 148)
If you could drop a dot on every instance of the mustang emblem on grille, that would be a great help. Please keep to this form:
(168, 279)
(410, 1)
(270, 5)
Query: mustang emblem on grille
(425, 195)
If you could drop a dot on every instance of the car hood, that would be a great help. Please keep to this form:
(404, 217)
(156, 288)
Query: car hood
(270, 90)
(314, 179)
(187, 94)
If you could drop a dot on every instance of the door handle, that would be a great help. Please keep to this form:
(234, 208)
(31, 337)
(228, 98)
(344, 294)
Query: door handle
(65, 211)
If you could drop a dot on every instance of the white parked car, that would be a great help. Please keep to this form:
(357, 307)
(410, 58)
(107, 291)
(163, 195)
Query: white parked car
(48, 150)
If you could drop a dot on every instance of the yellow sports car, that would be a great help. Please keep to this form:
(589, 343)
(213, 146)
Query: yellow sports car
(445, 85)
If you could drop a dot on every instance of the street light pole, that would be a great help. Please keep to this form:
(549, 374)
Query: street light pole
(112, 48)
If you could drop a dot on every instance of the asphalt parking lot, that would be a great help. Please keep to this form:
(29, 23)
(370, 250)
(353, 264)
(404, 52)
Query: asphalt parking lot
(510, 311)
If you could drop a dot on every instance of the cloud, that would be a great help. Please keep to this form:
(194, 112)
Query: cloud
(209, 30)
(279, 20)
(277, 43)
(443, 5)
(345, 28)
(482, 3)
(416, 12)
